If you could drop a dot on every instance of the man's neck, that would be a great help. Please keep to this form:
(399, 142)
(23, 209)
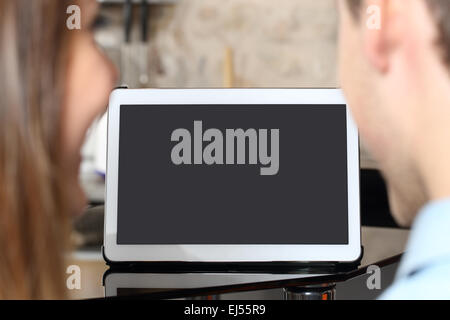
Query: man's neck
(433, 146)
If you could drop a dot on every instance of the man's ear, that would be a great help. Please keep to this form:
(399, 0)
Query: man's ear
(381, 22)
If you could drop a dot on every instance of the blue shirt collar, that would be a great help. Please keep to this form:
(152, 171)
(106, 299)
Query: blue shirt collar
(429, 240)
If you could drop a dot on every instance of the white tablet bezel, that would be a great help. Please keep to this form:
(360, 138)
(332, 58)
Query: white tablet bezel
(228, 253)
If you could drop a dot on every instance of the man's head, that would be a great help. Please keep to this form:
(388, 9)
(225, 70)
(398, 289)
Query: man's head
(395, 72)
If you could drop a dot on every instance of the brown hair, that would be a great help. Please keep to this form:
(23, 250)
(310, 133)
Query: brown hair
(440, 10)
(33, 213)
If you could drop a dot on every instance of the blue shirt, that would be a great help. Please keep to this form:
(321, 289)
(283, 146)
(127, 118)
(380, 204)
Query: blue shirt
(424, 271)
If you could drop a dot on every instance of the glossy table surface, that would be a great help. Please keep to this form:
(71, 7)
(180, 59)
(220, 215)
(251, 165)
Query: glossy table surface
(139, 283)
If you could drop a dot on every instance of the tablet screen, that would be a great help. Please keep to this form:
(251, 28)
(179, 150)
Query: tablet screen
(232, 174)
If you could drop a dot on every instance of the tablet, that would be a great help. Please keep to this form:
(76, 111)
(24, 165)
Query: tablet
(231, 175)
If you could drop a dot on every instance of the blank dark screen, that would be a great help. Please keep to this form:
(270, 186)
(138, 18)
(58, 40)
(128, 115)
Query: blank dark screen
(163, 203)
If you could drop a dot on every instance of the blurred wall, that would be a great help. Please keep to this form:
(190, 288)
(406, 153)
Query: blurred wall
(283, 43)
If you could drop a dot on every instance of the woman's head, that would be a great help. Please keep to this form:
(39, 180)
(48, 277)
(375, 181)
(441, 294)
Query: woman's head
(55, 82)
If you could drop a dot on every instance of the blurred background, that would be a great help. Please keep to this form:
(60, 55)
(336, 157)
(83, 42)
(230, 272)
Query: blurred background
(214, 43)
(191, 43)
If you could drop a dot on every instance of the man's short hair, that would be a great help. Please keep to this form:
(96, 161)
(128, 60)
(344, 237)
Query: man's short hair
(440, 10)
